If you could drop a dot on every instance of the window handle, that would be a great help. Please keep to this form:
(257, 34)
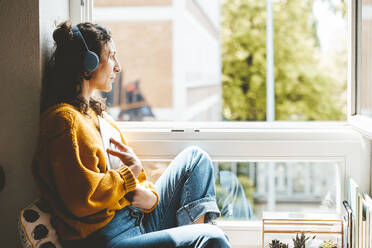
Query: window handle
(185, 130)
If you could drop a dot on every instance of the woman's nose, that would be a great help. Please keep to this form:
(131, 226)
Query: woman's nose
(117, 68)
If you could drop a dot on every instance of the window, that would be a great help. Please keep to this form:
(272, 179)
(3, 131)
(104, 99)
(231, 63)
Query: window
(364, 85)
(246, 151)
(359, 67)
(209, 60)
(245, 189)
(243, 148)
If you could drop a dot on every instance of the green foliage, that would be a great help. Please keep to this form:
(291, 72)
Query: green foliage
(277, 244)
(339, 6)
(328, 244)
(305, 88)
(300, 241)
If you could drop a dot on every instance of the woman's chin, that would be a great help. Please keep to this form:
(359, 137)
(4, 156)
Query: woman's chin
(107, 89)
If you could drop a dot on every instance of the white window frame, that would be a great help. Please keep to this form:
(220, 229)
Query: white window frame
(81, 11)
(260, 141)
(361, 123)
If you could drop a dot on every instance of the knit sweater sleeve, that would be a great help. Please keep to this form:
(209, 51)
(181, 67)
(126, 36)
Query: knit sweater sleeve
(82, 185)
(142, 180)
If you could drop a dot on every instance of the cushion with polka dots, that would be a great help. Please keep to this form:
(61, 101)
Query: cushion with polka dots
(35, 227)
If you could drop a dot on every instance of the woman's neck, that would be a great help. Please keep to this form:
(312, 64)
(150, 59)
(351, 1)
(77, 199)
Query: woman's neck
(86, 91)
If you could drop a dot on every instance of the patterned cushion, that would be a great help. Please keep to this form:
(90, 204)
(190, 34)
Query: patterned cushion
(35, 227)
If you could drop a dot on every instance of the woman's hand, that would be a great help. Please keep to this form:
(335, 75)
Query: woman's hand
(143, 198)
(127, 156)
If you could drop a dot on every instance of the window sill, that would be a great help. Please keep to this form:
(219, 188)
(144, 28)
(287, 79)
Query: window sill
(232, 125)
(243, 233)
(362, 124)
(241, 131)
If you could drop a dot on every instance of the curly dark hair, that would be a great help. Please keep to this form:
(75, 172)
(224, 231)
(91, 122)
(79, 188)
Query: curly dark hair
(64, 74)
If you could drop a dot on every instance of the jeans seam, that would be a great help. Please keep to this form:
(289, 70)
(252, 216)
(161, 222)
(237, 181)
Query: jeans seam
(195, 161)
(171, 198)
(191, 171)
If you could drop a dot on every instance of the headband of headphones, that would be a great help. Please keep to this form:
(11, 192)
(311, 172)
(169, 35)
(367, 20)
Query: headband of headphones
(90, 59)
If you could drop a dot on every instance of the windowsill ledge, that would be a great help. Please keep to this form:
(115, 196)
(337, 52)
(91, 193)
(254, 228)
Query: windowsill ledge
(243, 233)
(362, 124)
(246, 225)
(231, 125)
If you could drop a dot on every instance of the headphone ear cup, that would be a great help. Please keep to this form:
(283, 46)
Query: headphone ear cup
(91, 61)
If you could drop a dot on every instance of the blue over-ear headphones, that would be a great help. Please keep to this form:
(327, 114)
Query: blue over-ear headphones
(90, 60)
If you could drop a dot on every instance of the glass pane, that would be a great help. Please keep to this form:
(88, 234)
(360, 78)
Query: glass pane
(310, 59)
(364, 83)
(245, 190)
(206, 60)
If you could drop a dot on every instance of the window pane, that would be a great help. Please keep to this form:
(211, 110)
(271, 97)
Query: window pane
(206, 60)
(245, 190)
(364, 83)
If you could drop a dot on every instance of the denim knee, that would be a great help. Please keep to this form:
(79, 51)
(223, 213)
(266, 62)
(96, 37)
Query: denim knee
(198, 155)
(215, 237)
(196, 150)
(199, 189)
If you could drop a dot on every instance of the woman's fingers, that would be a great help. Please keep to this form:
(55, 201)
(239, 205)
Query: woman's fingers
(122, 155)
(127, 156)
(119, 145)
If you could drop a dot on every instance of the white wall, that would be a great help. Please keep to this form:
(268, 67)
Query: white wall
(212, 10)
(202, 55)
(21, 58)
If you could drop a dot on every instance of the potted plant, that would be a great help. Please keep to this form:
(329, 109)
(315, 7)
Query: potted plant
(328, 244)
(277, 244)
(300, 241)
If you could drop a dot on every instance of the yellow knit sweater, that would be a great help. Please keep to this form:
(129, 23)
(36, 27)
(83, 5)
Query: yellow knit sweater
(70, 169)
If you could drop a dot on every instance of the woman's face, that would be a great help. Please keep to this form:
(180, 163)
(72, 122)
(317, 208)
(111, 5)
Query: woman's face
(103, 77)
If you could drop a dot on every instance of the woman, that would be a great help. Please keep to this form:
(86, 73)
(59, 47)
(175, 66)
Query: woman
(96, 207)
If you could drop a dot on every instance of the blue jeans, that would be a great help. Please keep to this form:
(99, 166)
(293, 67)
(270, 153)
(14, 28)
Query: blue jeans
(186, 192)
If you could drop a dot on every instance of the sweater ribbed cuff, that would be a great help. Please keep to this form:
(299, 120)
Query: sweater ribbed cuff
(153, 207)
(130, 182)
